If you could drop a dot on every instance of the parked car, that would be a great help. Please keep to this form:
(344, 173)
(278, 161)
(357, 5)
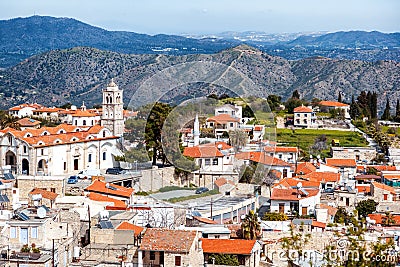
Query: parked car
(88, 173)
(115, 170)
(72, 179)
(201, 190)
(329, 190)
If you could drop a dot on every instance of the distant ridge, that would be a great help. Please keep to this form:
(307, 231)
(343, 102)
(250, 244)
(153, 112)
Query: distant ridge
(21, 38)
(78, 74)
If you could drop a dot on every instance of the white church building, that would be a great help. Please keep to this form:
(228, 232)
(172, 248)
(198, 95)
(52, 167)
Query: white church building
(66, 148)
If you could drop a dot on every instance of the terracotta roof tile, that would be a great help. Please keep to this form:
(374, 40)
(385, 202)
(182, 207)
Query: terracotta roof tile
(205, 220)
(363, 188)
(100, 187)
(221, 181)
(157, 239)
(381, 218)
(28, 122)
(292, 194)
(331, 210)
(228, 246)
(292, 182)
(281, 149)
(332, 104)
(223, 118)
(341, 162)
(318, 224)
(129, 226)
(302, 109)
(305, 168)
(322, 176)
(45, 194)
(384, 187)
(99, 197)
(202, 152)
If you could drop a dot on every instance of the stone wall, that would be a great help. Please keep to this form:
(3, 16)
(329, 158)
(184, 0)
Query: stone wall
(154, 179)
(111, 236)
(27, 183)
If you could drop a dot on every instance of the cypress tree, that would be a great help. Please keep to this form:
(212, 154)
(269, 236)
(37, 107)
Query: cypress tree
(296, 94)
(397, 118)
(339, 99)
(374, 105)
(386, 112)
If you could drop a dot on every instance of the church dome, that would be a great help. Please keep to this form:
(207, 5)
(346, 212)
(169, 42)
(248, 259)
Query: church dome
(112, 83)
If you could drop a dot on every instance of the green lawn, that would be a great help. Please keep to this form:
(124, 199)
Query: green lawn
(179, 199)
(304, 138)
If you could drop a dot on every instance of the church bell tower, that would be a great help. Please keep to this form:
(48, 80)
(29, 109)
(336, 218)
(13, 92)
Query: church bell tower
(113, 109)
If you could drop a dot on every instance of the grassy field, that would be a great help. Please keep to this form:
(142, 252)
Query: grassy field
(304, 138)
(179, 199)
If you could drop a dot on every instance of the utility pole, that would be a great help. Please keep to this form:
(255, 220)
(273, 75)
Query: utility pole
(89, 225)
(52, 253)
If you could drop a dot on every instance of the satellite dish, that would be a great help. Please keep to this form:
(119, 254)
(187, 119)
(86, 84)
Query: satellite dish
(299, 185)
(219, 147)
(41, 212)
(107, 185)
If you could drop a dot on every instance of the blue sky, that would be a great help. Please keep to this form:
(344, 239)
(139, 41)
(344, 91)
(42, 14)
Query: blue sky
(213, 16)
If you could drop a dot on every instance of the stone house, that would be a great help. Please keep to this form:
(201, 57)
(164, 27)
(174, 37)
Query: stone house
(170, 248)
(360, 154)
(52, 184)
(383, 193)
(308, 225)
(247, 252)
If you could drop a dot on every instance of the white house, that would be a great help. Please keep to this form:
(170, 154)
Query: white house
(295, 200)
(24, 110)
(288, 154)
(304, 117)
(347, 167)
(234, 111)
(222, 123)
(326, 106)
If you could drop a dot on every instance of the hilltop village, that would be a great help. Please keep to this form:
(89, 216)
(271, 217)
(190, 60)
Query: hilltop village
(287, 190)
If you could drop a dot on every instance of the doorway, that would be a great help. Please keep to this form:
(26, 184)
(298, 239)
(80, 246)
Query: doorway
(76, 164)
(25, 167)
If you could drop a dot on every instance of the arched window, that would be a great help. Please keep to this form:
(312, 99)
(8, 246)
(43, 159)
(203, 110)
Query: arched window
(104, 155)
(24, 149)
(90, 158)
(104, 133)
(76, 122)
(84, 122)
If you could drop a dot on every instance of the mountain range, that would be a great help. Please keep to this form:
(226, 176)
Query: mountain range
(21, 38)
(79, 74)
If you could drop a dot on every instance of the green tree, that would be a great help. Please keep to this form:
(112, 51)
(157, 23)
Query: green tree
(397, 117)
(342, 216)
(247, 112)
(339, 99)
(366, 207)
(7, 120)
(275, 216)
(154, 125)
(296, 94)
(274, 101)
(223, 259)
(250, 226)
(237, 139)
(386, 112)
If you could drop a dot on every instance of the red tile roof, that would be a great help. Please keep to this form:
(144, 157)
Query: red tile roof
(331, 210)
(45, 194)
(381, 218)
(228, 246)
(19, 107)
(178, 241)
(341, 162)
(100, 187)
(81, 113)
(262, 157)
(302, 109)
(305, 168)
(363, 188)
(318, 224)
(221, 181)
(28, 122)
(291, 182)
(205, 220)
(384, 187)
(202, 152)
(292, 194)
(129, 226)
(98, 197)
(332, 104)
(377, 167)
(322, 176)
(223, 119)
